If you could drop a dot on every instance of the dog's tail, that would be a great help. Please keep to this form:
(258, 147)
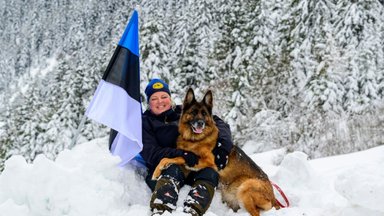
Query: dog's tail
(256, 195)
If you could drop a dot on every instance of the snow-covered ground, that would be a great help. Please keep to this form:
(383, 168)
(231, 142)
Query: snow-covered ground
(86, 181)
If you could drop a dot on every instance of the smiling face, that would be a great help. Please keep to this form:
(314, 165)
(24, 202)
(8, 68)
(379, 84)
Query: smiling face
(160, 102)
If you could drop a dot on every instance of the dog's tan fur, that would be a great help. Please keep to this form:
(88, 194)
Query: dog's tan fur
(242, 182)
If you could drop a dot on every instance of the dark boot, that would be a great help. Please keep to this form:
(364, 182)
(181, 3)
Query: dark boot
(166, 192)
(201, 194)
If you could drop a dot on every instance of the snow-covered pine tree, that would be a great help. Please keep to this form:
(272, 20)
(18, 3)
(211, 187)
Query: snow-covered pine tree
(26, 120)
(232, 57)
(154, 41)
(270, 93)
(380, 68)
(194, 35)
(359, 33)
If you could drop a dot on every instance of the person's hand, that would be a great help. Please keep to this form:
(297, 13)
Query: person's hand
(191, 159)
(221, 156)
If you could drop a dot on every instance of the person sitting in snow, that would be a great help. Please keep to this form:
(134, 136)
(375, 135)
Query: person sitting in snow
(160, 132)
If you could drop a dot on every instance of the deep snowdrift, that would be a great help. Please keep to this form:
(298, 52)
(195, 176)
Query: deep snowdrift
(86, 181)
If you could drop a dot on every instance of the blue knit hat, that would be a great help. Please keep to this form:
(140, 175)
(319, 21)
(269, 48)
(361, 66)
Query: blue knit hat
(156, 85)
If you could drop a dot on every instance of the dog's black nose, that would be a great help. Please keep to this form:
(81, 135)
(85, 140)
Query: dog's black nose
(200, 123)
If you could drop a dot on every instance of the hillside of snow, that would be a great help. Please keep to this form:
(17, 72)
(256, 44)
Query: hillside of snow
(86, 181)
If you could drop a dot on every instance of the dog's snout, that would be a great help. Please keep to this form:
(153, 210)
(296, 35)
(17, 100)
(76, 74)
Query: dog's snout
(200, 123)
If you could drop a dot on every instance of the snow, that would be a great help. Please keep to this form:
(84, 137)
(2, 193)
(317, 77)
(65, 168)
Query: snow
(50, 64)
(87, 181)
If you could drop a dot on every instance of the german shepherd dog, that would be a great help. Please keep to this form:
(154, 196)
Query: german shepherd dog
(198, 134)
(242, 182)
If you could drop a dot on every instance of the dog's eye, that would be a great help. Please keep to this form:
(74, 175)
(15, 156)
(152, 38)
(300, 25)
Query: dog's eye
(203, 113)
(194, 112)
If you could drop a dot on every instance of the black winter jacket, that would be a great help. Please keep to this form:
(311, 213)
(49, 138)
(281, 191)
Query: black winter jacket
(160, 133)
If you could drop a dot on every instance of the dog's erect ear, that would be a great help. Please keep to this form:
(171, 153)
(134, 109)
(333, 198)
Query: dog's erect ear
(208, 100)
(189, 98)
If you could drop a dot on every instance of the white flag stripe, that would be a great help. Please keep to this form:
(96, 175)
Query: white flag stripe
(113, 107)
(122, 144)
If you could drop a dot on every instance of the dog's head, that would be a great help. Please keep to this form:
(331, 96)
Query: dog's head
(196, 121)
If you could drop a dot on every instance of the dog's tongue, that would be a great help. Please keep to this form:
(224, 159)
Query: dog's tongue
(197, 130)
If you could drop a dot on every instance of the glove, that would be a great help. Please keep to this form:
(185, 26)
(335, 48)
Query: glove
(190, 158)
(221, 157)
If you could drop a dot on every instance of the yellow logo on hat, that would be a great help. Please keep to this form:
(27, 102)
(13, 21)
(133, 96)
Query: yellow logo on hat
(158, 85)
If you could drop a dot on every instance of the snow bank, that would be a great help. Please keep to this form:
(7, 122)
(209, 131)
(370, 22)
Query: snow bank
(86, 181)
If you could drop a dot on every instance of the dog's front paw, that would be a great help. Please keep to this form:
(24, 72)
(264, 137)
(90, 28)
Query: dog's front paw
(156, 174)
(159, 168)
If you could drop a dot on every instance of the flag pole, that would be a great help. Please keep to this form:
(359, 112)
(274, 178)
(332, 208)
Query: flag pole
(77, 132)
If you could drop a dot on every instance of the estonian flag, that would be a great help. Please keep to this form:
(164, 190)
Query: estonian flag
(116, 102)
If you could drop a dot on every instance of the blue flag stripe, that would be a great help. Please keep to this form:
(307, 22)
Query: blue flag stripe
(130, 38)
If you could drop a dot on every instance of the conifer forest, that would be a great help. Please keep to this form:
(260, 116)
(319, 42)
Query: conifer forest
(303, 75)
